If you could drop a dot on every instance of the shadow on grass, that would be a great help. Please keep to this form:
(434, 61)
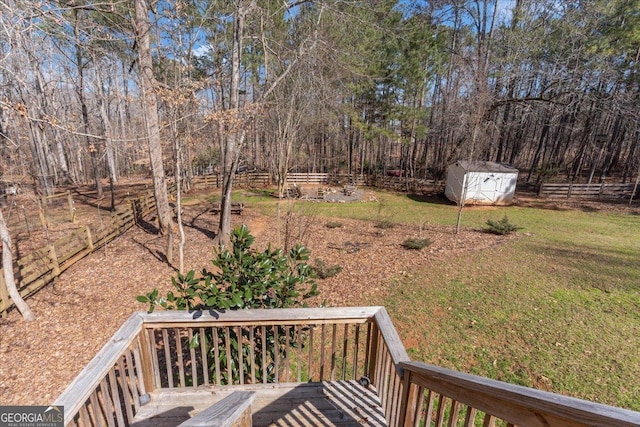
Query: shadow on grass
(436, 199)
(617, 270)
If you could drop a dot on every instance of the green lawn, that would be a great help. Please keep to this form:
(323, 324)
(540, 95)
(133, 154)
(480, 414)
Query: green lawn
(558, 308)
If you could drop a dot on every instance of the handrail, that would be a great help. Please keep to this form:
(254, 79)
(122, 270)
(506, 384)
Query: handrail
(391, 337)
(514, 404)
(83, 386)
(177, 318)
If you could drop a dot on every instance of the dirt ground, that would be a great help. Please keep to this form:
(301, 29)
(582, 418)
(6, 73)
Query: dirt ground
(88, 303)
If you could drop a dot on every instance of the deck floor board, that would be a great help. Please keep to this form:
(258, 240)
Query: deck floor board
(331, 403)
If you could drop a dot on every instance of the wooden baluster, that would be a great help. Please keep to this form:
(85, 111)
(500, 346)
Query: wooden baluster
(131, 379)
(108, 403)
(126, 393)
(322, 351)
(287, 349)
(240, 354)
(299, 353)
(470, 418)
(180, 360)
(356, 350)
(216, 356)
(194, 362)
(167, 355)
(276, 354)
(227, 343)
(116, 398)
(311, 374)
(263, 331)
(345, 347)
(441, 411)
(252, 354)
(333, 351)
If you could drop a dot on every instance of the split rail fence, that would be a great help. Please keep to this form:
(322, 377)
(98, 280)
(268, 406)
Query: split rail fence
(385, 182)
(44, 265)
(263, 179)
(594, 191)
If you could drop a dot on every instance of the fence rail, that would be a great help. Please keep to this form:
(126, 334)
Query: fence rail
(41, 267)
(385, 182)
(264, 179)
(602, 190)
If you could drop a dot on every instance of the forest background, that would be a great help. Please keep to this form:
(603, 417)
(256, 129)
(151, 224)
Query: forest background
(321, 86)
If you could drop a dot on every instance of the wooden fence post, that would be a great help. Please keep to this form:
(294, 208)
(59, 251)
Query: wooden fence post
(89, 239)
(55, 269)
(4, 295)
(72, 208)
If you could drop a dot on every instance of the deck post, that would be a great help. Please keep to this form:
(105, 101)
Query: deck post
(146, 361)
(408, 402)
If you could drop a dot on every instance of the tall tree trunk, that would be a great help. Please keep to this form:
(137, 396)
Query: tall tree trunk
(234, 137)
(108, 131)
(7, 268)
(93, 149)
(150, 107)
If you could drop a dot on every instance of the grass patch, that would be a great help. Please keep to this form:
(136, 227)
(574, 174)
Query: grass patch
(557, 309)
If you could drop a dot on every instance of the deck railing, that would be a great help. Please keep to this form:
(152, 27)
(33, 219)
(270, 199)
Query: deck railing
(434, 396)
(178, 349)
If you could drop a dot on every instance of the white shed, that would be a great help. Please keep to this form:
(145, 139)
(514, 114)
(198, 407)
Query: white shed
(486, 183)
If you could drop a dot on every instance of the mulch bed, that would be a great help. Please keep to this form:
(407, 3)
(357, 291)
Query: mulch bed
(79, 312)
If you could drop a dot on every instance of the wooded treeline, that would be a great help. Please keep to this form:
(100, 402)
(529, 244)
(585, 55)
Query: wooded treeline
(321, 86)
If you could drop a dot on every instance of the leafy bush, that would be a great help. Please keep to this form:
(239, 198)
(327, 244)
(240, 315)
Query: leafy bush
(324, 271)
(244, 278)
(333, 224)
(416, 244)
(502, 227)
(385, 224)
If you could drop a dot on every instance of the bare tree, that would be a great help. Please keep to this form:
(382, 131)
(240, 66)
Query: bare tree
(150, 107)
(7, 267)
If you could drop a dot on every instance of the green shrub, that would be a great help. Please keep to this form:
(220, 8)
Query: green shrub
(416, 244)
(385, 224)
(334, 224)
(324, 271)
(244, 278)
(502, 227)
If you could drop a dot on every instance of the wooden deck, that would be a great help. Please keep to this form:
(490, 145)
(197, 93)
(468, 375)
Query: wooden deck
(149, 374)
(329, 403)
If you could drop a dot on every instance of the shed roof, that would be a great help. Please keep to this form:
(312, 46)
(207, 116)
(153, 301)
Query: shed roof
(484, 166)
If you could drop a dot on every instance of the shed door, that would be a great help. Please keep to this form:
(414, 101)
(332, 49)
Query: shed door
(490, 185)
